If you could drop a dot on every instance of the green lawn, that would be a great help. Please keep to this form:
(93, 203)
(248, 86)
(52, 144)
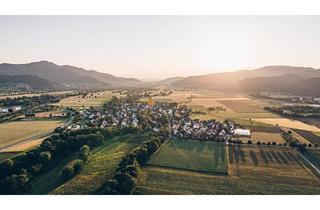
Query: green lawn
(191, 155)
(102, 165)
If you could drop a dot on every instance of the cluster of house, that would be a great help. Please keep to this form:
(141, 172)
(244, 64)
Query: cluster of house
(123, 113)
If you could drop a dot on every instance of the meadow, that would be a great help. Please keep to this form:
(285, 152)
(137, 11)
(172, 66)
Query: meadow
(92, 99)
(101, 167)
(18, 131)
(191, 155)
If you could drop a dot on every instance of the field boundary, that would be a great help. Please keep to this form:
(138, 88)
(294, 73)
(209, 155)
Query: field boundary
(190, 170)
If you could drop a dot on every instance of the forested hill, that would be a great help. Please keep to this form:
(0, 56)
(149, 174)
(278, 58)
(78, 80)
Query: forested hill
(27, 82)
(66, 75)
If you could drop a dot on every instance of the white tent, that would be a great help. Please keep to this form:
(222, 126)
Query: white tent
(242, 132)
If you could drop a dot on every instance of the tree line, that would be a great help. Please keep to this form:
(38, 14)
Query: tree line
(16, 173)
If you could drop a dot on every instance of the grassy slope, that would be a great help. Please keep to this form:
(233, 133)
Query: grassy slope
(101, 166)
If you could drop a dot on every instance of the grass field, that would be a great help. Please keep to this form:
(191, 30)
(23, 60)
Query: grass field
(191, 155)
(288, 123)
(102, 165)
(94, 99)
(18, 131)
(251, 170)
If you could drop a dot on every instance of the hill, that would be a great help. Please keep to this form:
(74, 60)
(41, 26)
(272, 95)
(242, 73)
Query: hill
(27, 82)
(67, 75)
(278, 78)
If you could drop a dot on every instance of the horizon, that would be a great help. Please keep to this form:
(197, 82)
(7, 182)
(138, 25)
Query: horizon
(154, 80)
(161, 47)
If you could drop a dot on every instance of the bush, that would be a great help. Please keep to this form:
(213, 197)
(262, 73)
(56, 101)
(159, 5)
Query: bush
(35, 169)
(274, 143)
(258, 143)
(6, 168)
(45, 157)
(125, 183)
(67, 173)
(249, 142)
(78, 166)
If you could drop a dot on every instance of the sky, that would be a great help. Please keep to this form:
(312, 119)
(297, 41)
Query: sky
(158, 47)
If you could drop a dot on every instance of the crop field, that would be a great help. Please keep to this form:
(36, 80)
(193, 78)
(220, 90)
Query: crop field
(22, 146)
(311, 137)
(264, 137)
(288, 123)
(251, 169)
(92, 99)
(102, 165)
(243, 106)
(18, 131)
(191, 155)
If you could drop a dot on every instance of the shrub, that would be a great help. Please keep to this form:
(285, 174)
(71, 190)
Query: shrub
(274, 143)
(67, 172)
(78, 166)
(35, 169)
(249, 142)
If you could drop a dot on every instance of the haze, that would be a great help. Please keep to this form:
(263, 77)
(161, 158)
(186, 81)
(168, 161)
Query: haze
(158, 47)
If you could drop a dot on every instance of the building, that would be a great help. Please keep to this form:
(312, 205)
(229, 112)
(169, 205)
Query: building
(242, 132)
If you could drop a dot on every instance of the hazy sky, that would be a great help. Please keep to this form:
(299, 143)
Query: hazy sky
(157, 47)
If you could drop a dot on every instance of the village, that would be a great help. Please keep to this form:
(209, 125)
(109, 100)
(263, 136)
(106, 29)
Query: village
(152, 116)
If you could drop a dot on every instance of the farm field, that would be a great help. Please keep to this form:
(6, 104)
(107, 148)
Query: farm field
(22, 146)
(288, 123)
(102, 165)
(310, 136)
(191, 155)
(243, 106)
(18, 131)
(251, 169)
(92, 99)
(297, 136)
(264, 137)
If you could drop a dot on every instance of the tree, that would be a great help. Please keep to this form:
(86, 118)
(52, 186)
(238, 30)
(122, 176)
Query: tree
(67, 172)
(85, 149)
(249, 142)
(6, 168)
(274, 143)
(78, 166)
(258, 143)
(16, 184)
(45, 157)
(35, 169)
(126, 183)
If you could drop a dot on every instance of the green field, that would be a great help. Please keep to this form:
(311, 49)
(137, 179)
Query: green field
(191, 155)
(92, 99)
(102, 165)
(251, 170)
(161, 181)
